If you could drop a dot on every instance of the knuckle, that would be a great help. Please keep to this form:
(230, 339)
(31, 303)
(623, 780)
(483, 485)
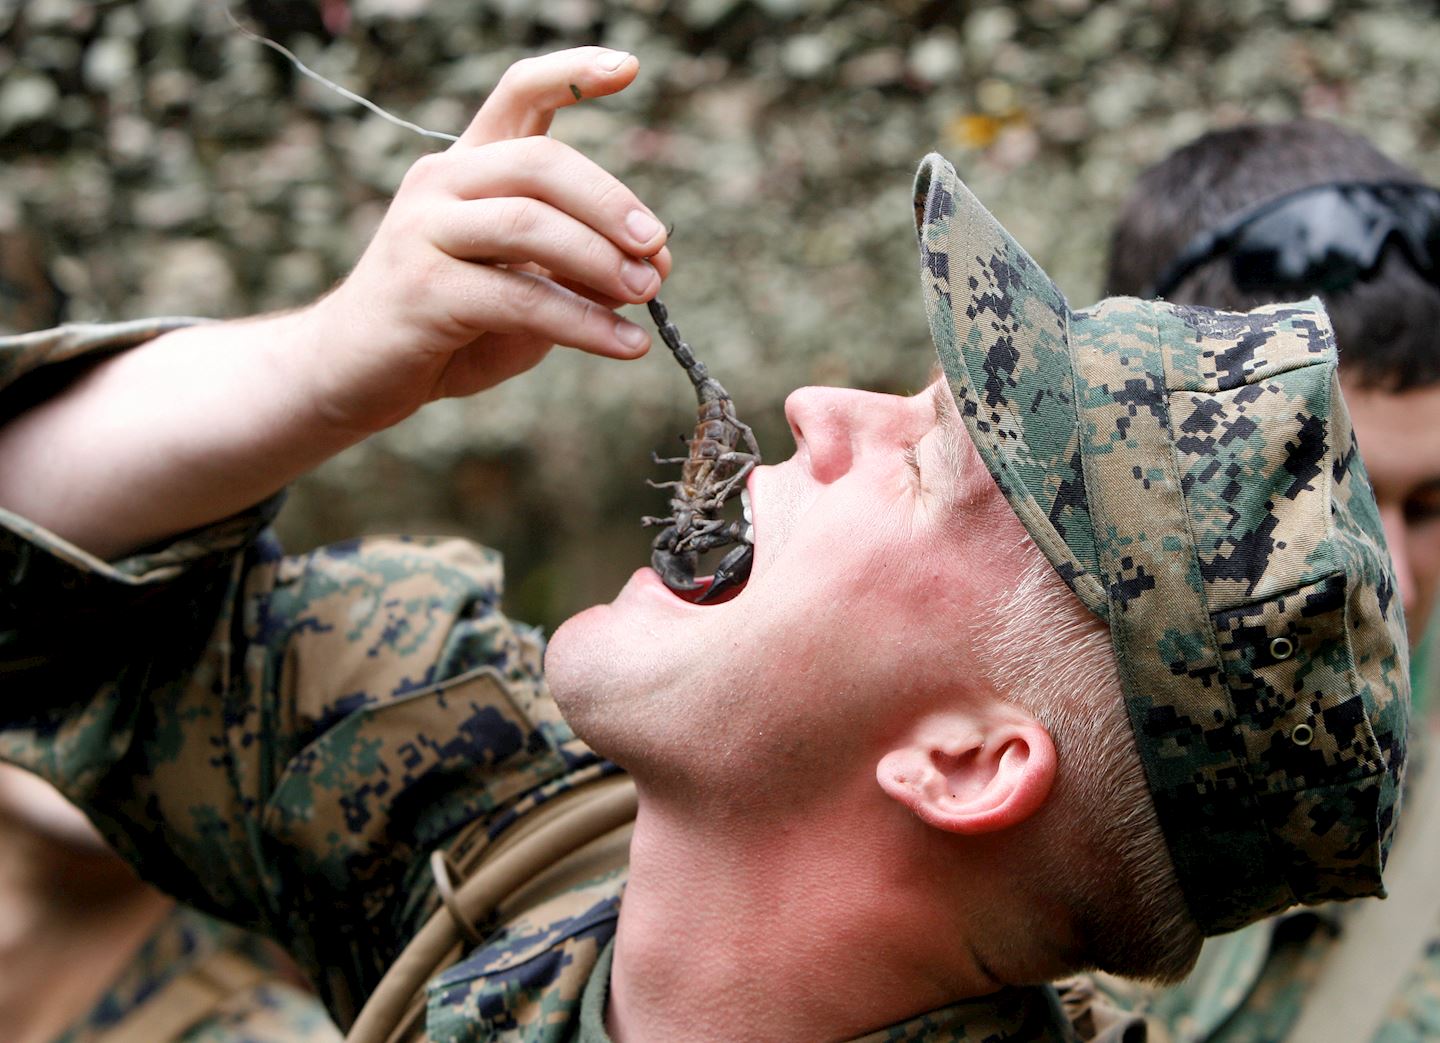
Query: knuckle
(441, 270)
(611, 194)
(597, 255)
(424, 171)
(528, 297)
(436, 291)
(468, 295)
(517, 74)
(536, 151)
(517, 219)
(591, 315)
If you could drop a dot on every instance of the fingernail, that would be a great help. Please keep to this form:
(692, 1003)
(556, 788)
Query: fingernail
(637, 276)
(642, 226)
(630, 334)
(612, 60)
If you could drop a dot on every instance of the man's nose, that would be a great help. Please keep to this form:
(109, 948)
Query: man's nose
(1392, 519)
(831, 425)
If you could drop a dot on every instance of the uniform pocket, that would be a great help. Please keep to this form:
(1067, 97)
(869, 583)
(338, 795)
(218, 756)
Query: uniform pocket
(1299, 709)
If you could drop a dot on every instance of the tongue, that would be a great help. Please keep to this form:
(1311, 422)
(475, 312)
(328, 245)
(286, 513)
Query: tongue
(694, 596)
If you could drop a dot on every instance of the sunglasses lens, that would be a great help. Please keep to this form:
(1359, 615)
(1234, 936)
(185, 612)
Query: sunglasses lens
(1259, 270)
(1317, 242)
(1320, 240)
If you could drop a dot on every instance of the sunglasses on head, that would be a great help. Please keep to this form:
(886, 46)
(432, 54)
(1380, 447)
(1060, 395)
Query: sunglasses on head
(1318, 239)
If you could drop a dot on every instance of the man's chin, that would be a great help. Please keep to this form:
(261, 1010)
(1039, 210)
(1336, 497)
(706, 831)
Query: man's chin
(612, 669)
(591, 623)
(594, 637)
(586, 658)
(585, 672)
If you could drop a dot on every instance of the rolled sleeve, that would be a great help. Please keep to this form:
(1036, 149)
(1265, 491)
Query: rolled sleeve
(49, 351)
(280, 740)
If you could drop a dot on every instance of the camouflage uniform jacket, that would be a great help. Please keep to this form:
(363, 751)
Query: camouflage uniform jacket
(282, 741)
(237, 991)
(1251, 986)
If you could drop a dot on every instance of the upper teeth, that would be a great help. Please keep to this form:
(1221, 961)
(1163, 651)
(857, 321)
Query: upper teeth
(749, 534)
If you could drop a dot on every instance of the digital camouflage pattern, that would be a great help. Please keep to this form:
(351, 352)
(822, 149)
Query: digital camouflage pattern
(1252, 985)
(1010, 1014)
(283, 741)
(1193, 477)
(215, 983)
(1247, 986)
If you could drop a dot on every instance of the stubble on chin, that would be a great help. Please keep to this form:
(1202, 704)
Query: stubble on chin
(585, 670)
(612, 689)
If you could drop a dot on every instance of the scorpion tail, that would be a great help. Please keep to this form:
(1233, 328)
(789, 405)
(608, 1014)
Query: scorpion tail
(670, 334)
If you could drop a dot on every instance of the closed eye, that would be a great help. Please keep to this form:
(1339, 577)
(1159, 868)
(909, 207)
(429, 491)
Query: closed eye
(912, 460)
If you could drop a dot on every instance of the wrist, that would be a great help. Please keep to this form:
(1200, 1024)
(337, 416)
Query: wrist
(345, 368)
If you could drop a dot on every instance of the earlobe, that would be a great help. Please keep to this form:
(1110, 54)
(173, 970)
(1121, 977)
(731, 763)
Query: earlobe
(961, 779)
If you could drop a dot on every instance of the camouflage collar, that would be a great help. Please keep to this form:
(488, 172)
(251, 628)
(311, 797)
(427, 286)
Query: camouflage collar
(1031, 1014)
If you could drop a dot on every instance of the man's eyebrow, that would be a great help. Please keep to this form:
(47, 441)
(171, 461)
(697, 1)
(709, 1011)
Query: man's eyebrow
(944, 405)
(947, 422)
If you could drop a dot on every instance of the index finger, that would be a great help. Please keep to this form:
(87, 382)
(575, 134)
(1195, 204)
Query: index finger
(527, 97)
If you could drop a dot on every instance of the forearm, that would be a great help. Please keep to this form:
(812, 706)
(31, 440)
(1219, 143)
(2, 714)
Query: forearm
(491, 252)
(187, 429)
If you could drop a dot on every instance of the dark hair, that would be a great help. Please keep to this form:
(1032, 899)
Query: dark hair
(1386, 326)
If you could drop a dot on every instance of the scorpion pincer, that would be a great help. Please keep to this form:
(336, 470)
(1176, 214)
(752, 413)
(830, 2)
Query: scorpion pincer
(722, 454)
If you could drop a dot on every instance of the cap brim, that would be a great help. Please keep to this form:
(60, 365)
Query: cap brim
(1001, 329)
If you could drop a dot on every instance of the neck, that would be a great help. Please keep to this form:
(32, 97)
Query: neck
(781, 932)
(73, 917)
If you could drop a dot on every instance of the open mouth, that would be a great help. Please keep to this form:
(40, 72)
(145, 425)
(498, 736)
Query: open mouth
(733, 575)
(697, 596)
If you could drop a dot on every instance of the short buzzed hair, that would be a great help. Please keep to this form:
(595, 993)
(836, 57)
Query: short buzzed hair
(1385, 325)
(1130, 916)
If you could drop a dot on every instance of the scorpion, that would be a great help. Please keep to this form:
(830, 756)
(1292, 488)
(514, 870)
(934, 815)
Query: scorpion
(722, 453)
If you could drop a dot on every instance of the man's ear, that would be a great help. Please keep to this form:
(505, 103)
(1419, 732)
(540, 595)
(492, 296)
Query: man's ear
(965, 776)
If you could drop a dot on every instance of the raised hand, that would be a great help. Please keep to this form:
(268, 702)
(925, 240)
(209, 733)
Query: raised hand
(492, 251)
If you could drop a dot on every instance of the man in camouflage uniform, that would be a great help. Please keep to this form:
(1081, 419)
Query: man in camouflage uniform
(1384, 298)
(902, 776)
(89, 954)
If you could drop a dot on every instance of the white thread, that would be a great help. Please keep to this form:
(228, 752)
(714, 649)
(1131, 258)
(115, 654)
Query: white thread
(350, 95)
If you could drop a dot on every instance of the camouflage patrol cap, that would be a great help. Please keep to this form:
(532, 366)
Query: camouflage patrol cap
(1192, 476)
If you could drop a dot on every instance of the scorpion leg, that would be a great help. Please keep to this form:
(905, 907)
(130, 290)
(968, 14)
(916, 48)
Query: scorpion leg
(734, 568)
(707, 534)
(726, 489)
(713, 536)
(747, 434)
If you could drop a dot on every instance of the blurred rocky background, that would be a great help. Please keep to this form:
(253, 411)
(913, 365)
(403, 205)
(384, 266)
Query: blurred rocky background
(153, 160)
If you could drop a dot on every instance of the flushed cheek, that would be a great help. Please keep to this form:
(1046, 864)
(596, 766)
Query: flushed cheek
(940, 621)
(871, 622)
